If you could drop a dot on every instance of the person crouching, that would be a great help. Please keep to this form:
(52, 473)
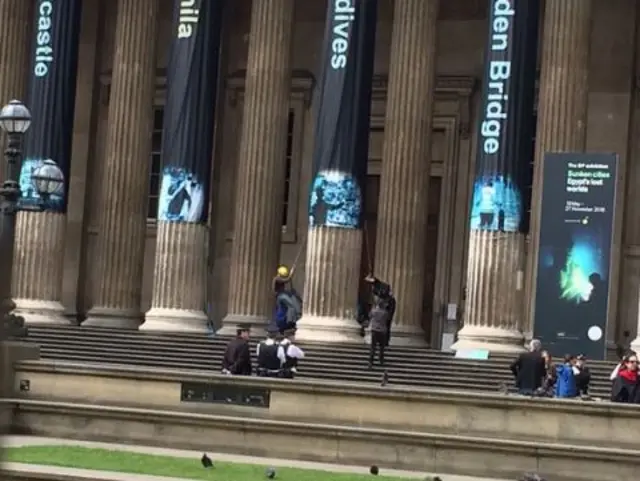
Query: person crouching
(271, 356)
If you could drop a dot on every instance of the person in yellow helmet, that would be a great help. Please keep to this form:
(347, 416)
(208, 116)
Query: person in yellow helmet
(283, 272)
(288, 308)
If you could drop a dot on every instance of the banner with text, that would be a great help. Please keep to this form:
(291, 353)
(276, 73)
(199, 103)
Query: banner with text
(189, 114)
(574, 259)
(342, 119)
(501, 194)
(51, 98)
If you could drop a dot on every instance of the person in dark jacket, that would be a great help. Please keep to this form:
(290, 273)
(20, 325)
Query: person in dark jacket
(566, 378)
(379, 327)
(583, 375)
(529, 369)
(626, 385)
(549, 383)
(382, 290)
(288, 308)
(237, 356)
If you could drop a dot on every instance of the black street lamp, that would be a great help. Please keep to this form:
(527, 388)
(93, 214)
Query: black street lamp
(48, 180)
(15, 120)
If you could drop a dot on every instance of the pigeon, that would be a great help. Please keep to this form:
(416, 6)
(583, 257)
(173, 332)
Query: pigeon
(206, 461)
(270, 473)
(374, 470)
(532, 477)
(385, 378)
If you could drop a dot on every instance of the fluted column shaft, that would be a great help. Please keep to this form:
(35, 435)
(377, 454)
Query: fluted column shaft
(179, 297)
(37, 267)
(121, 241)
(331, 286)
(630, 285)
(562, 105)
(402, 219)
(261, 172)
(15, 36)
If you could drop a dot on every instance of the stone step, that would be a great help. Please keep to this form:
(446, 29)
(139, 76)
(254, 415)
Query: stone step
(409, 366)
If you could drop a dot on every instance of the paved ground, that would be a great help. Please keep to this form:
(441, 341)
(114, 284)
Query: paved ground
(18, 441)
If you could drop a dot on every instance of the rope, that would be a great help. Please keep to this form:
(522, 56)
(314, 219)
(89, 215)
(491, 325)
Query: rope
(303, 246)
(367, 248)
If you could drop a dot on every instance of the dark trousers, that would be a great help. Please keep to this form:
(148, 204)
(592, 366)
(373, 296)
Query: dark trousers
(378, 341)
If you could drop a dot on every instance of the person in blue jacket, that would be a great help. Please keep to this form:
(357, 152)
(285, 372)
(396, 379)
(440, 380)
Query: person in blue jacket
(565, 379)
(288, 308)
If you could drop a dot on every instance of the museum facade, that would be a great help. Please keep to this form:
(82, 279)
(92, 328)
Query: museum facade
(110, 260)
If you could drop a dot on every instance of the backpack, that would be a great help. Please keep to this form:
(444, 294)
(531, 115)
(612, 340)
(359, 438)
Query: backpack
(293, 303)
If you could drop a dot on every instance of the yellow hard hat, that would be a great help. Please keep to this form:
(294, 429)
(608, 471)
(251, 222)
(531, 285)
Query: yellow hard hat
(283, 271)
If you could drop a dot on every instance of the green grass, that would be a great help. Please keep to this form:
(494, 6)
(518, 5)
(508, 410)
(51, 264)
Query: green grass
(175, 467)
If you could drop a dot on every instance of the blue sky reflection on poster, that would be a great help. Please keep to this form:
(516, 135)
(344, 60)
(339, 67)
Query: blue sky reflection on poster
(496, 205)
(335, 200)
(182, 196)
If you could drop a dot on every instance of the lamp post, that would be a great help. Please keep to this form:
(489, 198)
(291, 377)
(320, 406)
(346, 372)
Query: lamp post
(15, 120)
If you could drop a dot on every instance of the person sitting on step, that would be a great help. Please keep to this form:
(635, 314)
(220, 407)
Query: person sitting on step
(292, 354)
(237, 356)
(271, 355)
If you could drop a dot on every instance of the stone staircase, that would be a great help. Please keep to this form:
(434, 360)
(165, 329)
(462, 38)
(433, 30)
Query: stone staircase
(405, 365)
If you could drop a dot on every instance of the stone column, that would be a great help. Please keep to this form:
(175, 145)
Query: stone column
(562, 106)
(331, 286)
(635, 344)
(40, 236)
(261, 172)
(402, 210)
(498, 225)
(630, 279)
(179, 298)
(15, 38)
(124, 183)
(37, 267)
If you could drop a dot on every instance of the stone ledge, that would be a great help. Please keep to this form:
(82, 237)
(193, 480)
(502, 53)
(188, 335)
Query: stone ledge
(7, 474)
(329, 388)
(455, 454)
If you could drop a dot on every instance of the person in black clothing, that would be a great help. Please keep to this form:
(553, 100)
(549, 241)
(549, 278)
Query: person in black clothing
(582, 375)
(626, 385)
(382, 290)
(237, 356)
(379, 325)
(529, 369)
(271, 355)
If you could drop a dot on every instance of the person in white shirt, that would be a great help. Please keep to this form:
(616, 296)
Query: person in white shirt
(292, 355)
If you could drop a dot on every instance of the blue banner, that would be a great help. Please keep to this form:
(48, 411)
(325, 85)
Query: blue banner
(51, 99)
(189, 114)
(574, 259)
(342, 119)
(501, 191)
